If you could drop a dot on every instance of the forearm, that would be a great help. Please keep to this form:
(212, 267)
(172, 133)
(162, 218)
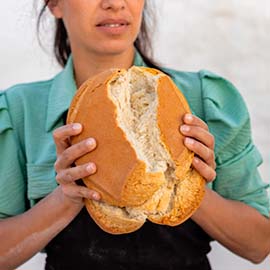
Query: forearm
(25, 235)
(235, 225)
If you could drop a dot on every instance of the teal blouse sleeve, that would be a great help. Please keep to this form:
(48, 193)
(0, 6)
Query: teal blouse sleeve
(236, 156)
(12, 184)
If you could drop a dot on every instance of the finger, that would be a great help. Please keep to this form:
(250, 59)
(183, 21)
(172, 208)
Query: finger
(195, 121)
(205, 153)
(208, 173)
(73, 152)
(61, 136)
(74, 191)
(75, 173)
(199, 134)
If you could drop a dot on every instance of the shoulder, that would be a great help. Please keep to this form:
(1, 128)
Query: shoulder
(218, 102)
(222, 101)
(184, 79)
(24, 97)
(18, 120)
(204, 81)
(207, 86)
(23, 102)
(227, 116)
(204, 89)
(219, 89)
(25, 91)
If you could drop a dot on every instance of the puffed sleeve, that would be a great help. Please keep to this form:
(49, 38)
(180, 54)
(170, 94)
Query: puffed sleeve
(12, 182)
(236, 156)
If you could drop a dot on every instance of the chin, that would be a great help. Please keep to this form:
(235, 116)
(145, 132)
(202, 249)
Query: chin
(113, 48)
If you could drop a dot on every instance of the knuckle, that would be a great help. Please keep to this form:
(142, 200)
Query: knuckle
(81, 147)
(210, 156)
(211, 175)
(64, 177)
(78, 173)
(69, 177)
(212, 141)
(82, 192)
(58, 178)
(203, 125)
(84, 147)
(56, 135)
(56, 165)
(66, 155)
(207, 155)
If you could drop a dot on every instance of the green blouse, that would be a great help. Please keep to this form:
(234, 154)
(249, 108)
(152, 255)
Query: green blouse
(30, 112)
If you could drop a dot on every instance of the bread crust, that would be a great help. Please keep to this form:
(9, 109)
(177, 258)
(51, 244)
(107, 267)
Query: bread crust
(187, 198)
(121, 177)
(172, 106)
(109, 222)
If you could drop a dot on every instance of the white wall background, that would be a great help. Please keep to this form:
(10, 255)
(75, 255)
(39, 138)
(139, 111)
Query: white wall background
(229, 37)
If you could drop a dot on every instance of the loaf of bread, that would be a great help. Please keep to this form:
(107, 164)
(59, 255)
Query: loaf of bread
(144, 170)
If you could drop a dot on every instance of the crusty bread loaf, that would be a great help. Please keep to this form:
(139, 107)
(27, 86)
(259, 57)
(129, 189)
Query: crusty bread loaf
(143, 168)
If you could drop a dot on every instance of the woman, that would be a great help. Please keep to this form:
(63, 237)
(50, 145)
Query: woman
(41, 203)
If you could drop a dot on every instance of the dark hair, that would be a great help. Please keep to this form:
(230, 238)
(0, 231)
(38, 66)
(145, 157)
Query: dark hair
(143, 43)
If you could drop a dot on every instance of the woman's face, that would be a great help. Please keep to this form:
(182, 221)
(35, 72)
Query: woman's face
(100, 26)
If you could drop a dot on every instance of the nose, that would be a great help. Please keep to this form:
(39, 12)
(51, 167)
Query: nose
(113, 4)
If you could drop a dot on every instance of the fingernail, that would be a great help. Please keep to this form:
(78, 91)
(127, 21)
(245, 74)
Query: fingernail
(188, 117)
(189, 141)
(77, 126)
(185, 128)
(91, 167)
(90, 142)
(95, 196)
(196, 160)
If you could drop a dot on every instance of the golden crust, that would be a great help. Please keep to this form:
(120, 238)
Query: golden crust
(172, 106)
(140, 186)
(109, 222)
(188, 196)
(121, 178)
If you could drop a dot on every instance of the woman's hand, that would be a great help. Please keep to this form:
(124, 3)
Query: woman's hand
(66, 155)
(201, 142)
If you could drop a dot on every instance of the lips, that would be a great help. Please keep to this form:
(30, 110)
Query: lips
(113, 27)
(112, 23)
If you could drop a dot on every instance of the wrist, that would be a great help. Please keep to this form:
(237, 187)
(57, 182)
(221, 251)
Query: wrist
(68, 204)
(201, 212)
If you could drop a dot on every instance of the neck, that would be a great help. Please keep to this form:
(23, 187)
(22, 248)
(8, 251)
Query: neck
(90, 65)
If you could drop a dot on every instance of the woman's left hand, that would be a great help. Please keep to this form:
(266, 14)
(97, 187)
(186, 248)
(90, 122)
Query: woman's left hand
(199, 140)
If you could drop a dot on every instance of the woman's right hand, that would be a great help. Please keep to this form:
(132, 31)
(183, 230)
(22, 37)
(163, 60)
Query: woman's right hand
(66, 155)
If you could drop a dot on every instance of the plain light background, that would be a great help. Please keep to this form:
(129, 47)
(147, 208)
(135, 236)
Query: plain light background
(228, 37)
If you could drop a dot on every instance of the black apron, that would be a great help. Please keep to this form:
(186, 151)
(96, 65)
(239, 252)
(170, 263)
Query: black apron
(82, 245)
